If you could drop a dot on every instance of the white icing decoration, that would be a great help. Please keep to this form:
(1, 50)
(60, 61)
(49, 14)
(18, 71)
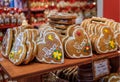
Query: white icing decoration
(106, 41)
(79, 46)
(48, 52)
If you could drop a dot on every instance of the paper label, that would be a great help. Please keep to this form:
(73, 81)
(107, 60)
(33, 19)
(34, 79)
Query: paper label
(100, 68)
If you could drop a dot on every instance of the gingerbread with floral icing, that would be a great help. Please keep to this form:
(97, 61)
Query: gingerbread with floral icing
(50, 49)
(18, 52)
(78, 44)
(105, 41)
(117, 38)
(7, 43)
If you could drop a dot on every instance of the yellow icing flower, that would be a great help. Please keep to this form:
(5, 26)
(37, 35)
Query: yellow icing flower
(19, 51)
(112, 44)
(50, 37)
(11, 55)
(106, 30)
(57, 54)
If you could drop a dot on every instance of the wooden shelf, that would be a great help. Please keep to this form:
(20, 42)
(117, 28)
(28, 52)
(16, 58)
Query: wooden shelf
(34, 68)
(37, 9)
(8, 26)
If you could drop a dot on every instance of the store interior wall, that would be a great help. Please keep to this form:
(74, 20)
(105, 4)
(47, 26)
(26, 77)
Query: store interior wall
(111, 9)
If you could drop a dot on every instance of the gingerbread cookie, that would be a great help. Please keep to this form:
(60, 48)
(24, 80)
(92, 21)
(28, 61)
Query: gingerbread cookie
(34, 37)
(58, 26)
(69, 32)
(16, 31)
(78, 45)
(62, 16)
(29, 46)
(117, 38)
(105, 41)
(63, 21)
(7, 43)
(50, 49)
(18, 52)
(85, 23)
(42, 29)
(114, 78)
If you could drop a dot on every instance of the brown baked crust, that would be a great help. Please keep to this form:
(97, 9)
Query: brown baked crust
(64, 22)
(62, 16)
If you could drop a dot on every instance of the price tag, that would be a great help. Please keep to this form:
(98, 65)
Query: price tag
(101, 68)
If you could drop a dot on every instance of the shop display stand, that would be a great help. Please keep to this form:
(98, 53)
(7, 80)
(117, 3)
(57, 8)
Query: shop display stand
(35, 70)
(29, 11)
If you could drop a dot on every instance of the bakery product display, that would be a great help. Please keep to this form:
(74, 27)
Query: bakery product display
(59, 41)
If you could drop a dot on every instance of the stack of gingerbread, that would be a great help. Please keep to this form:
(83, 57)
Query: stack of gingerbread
(103, 34)
(61, 21)
(70, 74)
(22, 44)
(19, 44)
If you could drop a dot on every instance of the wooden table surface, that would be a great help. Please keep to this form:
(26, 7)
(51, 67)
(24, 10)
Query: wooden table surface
(34, 68)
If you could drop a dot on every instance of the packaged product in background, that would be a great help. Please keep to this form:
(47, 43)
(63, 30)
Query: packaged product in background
(11, 3)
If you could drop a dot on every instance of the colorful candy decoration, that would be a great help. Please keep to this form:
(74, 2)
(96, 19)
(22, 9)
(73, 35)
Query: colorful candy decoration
(57, 54)
(112, 44)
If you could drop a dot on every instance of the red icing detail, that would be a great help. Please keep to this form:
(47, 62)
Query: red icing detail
(87, 48)
(78, 33)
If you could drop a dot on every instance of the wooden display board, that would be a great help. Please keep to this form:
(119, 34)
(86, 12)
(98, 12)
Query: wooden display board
(36, 69)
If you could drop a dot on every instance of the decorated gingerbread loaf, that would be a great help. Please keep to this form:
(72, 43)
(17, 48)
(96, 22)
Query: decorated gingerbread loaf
(50, 48)
(18, 51)
(77, 43)
(7, 43)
